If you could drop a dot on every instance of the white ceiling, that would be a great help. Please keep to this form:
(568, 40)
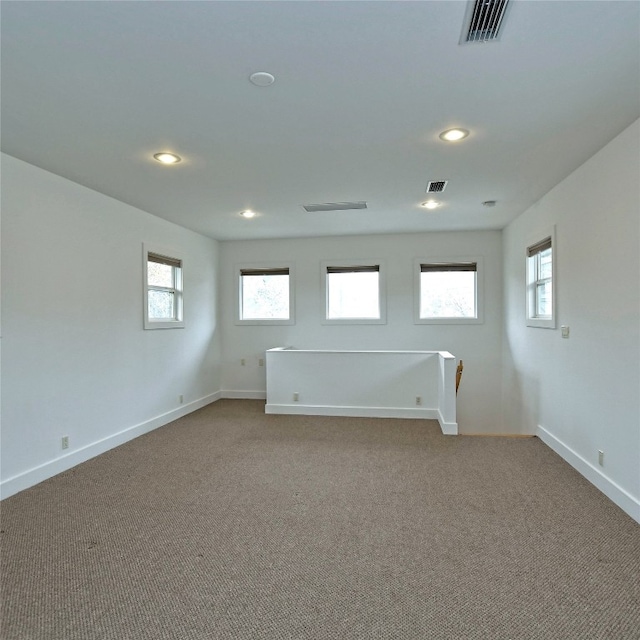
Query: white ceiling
(90, 90)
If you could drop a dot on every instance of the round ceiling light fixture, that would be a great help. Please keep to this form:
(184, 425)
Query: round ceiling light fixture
(453, 135)
(431, 204)
(262, 79)
(247, 213)
(167, 158)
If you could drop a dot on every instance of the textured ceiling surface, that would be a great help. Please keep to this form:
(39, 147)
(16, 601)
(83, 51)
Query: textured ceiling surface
(91, 90)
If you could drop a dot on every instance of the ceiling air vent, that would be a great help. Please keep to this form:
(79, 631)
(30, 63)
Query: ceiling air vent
(437, 186)
(483, 20)
(334, 206)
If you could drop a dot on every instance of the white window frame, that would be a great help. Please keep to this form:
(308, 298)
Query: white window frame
(346, 264)
(448, 260)
(533, 320)
(266, 265)
(178, 289)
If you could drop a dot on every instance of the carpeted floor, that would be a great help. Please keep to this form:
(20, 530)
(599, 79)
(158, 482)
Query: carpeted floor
(233, 524)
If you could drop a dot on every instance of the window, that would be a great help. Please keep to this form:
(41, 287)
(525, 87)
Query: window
(265, 295)
(353, 293)
(540, 289)
(162, 290)
(448, 291)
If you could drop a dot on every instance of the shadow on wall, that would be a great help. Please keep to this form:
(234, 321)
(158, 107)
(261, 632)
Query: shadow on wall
(521, 403)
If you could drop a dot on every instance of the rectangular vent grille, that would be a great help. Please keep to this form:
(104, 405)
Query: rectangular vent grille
(437, 186)
(334, 206)
(483, 20)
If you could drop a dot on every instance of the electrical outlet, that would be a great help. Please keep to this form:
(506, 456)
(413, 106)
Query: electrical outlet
(296, 396)
(180, 398)
(260, 362)
(243, 362)
(418, 401)
(565, 330)
(601, 458)
(64, 442)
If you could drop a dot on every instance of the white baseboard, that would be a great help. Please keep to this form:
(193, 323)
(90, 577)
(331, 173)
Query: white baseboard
(33, 476)
(353, 412)
(448, 428)
(243, 395)
(628, 503)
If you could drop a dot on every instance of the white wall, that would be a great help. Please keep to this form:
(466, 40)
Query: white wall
(76, 360)
(480, 346)
(581, 394)
(379, 384)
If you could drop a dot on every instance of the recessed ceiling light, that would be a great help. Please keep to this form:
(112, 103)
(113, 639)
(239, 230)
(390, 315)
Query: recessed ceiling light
(431, 204)
(262, 78)
(248, 213)
(167, 158)
(453, 135)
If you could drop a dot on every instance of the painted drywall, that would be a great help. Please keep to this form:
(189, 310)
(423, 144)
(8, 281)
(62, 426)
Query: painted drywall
(390, 384)
(76, 360)
(581, 394)
(479, 345)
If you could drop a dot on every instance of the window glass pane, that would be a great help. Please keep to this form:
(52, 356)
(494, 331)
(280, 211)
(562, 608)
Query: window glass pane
(265, 297)
(540, 276)
(448, 294)
(543, 299)
(161, 305)
(353, 295)
(545, 264)
(159, 275)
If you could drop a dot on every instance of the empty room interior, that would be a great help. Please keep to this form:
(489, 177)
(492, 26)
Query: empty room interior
(320, 319)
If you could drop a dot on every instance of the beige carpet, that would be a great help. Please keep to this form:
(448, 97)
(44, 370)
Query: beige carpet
(230, 523)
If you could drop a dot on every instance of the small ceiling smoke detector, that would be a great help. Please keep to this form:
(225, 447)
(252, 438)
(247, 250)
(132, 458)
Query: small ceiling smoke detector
(483, 20)
(489, 203)
(247, 213)
(167, 158)
(437, 186)
(334, 206)
(431, 204)
(262, 79)
(453, 135)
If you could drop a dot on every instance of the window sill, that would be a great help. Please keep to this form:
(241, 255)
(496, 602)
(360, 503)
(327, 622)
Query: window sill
(343, 321)
(163, 324)
(448, 321)
(539, 323)
(265, 322)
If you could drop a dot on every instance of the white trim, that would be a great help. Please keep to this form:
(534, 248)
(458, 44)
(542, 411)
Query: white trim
(231, 394)
(148, 248)
(42, 472)
(479, 292)
(532, 320)
(382, 291)
(613, 491)
(352, 411)
(266, 264)
(47, 470)
(448, 428)
(318, 392)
